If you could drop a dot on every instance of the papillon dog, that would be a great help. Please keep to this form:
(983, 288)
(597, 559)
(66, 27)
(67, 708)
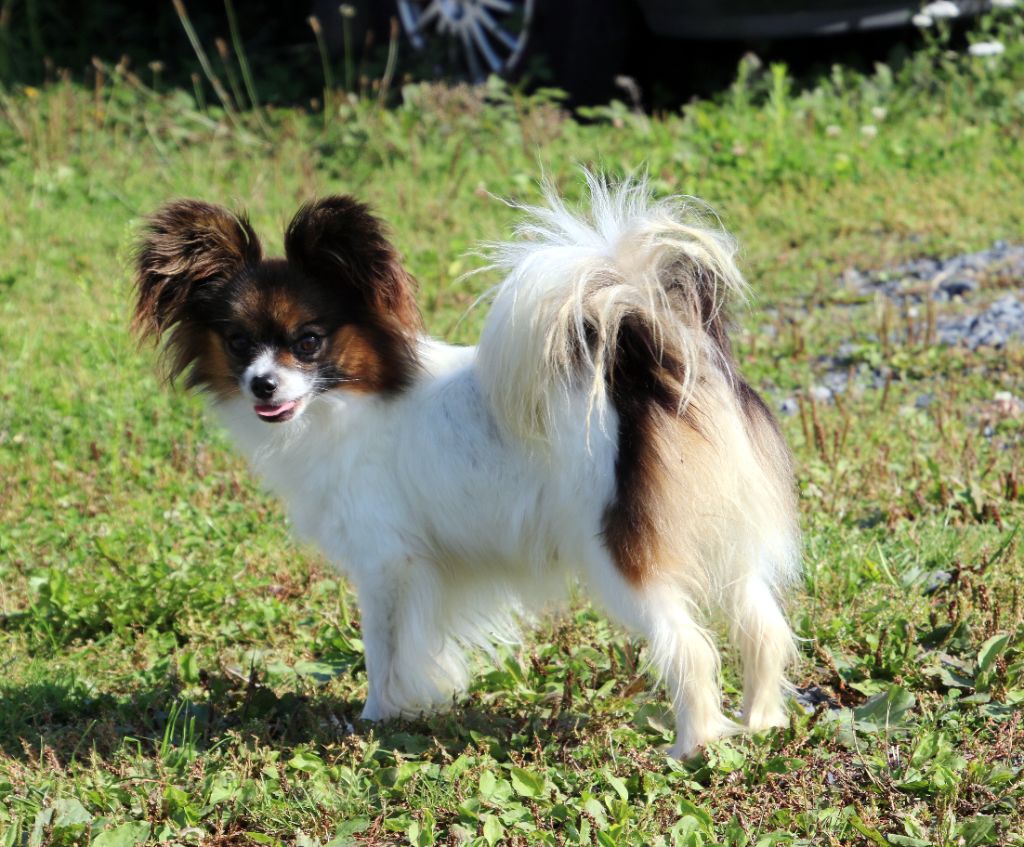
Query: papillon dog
(600, 432)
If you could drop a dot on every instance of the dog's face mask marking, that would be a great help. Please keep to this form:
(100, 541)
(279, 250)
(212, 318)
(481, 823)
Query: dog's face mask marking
(338, 313)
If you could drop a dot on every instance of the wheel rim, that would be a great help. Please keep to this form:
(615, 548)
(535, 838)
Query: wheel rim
(487, 36)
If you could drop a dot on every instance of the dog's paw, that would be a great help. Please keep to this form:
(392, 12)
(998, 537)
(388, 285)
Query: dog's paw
(377, 712)
(690, 742)
(771, 717)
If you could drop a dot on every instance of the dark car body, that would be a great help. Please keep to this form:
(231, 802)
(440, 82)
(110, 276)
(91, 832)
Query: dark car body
(740, 19)
(780, 18)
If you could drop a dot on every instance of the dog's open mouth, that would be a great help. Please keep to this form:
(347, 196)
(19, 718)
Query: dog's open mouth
(275, 413)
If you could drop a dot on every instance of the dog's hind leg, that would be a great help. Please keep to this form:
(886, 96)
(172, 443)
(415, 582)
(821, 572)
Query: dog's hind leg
(683, 652)
(759, 630)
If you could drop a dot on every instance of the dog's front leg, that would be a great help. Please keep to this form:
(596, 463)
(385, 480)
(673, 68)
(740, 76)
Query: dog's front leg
(378, 607)
(413, 661)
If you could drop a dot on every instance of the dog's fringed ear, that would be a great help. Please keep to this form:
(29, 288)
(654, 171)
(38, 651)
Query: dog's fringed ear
(339, 239)
(186, 246)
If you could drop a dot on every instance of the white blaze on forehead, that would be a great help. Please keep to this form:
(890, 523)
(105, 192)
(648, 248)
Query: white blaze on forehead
(292, 384)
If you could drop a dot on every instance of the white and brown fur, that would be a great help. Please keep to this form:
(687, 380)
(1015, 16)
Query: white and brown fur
(599, 432)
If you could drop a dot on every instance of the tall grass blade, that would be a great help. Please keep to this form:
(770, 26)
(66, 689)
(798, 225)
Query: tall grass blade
(347, 14)
(204, 61)
(325, 60)
(5, 41)
(389, 66)
(224, 52)
(243, 63)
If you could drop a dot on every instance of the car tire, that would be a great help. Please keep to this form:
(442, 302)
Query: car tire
(577, 45)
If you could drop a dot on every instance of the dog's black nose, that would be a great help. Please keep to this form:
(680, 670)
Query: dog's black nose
(263, 386)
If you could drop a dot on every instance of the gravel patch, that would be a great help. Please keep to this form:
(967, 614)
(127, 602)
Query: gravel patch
(941, 279)
(956, 279)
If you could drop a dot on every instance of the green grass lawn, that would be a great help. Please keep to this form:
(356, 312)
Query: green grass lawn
(174, 667)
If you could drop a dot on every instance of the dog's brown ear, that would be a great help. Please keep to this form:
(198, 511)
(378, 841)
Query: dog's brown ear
(187, 246)
(338, 239)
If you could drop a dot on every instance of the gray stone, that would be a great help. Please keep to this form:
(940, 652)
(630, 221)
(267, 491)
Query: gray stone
(835, 381)
(811, 697)
(937, 580)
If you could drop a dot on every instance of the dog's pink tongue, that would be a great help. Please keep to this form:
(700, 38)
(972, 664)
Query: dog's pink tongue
(272, 411)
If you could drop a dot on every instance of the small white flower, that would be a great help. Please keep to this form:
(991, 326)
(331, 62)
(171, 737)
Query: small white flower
(879, 113)
(921, 21)
(869, 130)
(1003, 4)
(832, 131)
(986, 48)
(942, 9)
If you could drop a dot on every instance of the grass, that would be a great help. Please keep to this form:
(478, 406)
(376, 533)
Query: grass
(176, 668)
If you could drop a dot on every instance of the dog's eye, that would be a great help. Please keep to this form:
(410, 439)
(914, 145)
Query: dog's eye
(239, 344)
(308, 345)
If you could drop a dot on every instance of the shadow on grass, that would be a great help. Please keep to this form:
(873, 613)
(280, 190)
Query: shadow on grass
(65, 720)
(68, 720)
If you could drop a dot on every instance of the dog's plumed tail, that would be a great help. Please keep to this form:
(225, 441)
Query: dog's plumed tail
(587, 299)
